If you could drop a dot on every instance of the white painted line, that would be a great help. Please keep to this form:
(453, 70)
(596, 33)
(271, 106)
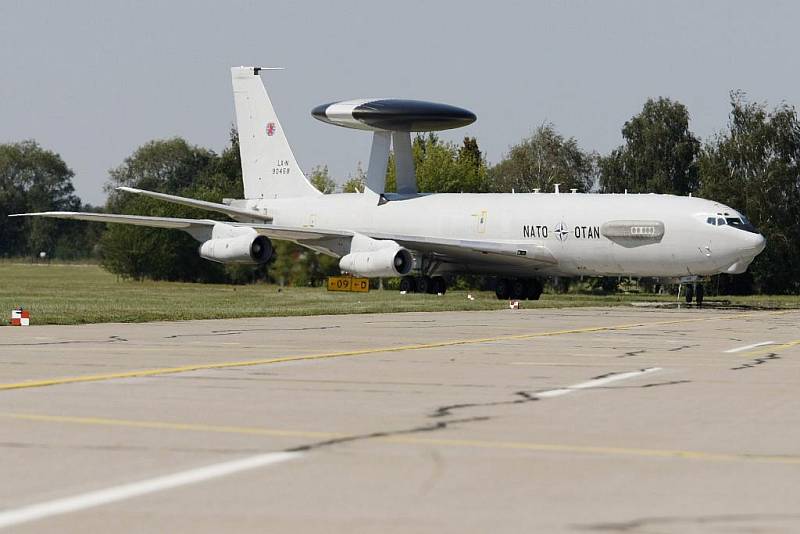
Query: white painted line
(9, 518)
(754, 345)
(596, 382)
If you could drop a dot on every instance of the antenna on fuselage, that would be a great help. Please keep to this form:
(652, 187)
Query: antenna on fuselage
(392, 121)
(556, 188)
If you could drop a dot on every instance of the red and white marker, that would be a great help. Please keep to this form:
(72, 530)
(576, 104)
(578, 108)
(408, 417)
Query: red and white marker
(20, 317)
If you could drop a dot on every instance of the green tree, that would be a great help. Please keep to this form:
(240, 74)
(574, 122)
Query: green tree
(169, 166)
(447, 168)
(659, 154)
(444, 167)
(35, 179)
(542, 160)
(355, 183)
(320, 179)
(754, 167)
(298, 266)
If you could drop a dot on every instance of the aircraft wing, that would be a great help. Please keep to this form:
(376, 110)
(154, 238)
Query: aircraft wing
(140, 220)
(443, 249)
(196, 227)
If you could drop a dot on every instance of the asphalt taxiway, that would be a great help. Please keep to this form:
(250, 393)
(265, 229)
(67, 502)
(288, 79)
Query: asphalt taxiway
(572, 420)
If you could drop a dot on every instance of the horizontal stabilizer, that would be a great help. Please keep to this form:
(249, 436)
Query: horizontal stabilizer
(235, 213)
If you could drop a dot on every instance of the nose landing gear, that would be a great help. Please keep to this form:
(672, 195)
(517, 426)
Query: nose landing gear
(696, 292)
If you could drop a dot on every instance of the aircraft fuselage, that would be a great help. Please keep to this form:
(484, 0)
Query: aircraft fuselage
(587, 234)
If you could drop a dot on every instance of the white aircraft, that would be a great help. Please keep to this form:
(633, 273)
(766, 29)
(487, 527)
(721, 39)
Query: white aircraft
(519, 238)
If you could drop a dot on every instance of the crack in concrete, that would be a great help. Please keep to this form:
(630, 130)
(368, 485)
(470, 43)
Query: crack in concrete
(111, 339)
(676, 349)
(418, 327)
(670, 383)
(236, 332)
(526, 397)
(444, 411)
(638, 524)
(757, 361)
(401, 322)
(441, 425)
(604, 375)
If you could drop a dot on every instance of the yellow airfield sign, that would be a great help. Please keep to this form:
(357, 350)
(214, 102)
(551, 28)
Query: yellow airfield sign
(348, 283)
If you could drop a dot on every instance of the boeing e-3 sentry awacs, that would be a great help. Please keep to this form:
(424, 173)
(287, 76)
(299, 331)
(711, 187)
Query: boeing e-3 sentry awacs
(520, 238)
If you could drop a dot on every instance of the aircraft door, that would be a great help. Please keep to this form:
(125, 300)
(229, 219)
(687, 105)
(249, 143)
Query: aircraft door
(480, 221)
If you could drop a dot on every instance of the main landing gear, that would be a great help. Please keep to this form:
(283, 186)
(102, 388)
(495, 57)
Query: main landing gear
(694, 291)
(423, 284)
(518, 289)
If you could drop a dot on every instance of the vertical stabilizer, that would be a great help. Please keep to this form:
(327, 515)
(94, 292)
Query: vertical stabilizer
(269, 169)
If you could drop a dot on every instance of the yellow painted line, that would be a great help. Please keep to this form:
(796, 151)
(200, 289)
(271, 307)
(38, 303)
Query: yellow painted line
(359, 352)
(612, 451)
(412, 440)
(165, 425)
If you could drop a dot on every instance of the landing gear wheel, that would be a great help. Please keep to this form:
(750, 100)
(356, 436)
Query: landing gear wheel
(689, 293)
(424, 284)
(534, 289)
(438, 285)
(408, 284)
(698, 295)
(502, 289)
(518, 289)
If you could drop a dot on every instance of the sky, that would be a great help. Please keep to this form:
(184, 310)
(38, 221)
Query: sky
(92, 81)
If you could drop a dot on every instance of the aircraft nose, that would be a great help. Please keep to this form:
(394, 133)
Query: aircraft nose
(759, 244)
(753, 245)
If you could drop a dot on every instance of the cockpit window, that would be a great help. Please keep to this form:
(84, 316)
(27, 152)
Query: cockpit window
(742, 224)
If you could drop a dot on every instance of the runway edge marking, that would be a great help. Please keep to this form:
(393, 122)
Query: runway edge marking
(746, 347)
(359, 352)
(595, 383)
(34, 512)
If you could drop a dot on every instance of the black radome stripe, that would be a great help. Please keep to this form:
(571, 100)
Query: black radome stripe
(402, 115)
(412, 115)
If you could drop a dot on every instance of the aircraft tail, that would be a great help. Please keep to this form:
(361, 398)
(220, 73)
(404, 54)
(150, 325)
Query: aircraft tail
(269, 169)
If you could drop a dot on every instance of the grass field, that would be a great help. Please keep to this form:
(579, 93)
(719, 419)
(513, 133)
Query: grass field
(74, 294)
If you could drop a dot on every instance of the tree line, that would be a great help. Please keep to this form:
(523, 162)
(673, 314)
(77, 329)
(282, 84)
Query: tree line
(752, 165)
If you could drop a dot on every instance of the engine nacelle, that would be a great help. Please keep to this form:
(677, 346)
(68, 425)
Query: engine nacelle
(389, 261)
(246, 248)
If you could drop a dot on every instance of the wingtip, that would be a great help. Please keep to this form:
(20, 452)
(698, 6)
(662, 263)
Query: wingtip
(43, 213)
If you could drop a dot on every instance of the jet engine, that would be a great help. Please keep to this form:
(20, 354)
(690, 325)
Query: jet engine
(235, 244)
(388, 261)
(240, 249)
